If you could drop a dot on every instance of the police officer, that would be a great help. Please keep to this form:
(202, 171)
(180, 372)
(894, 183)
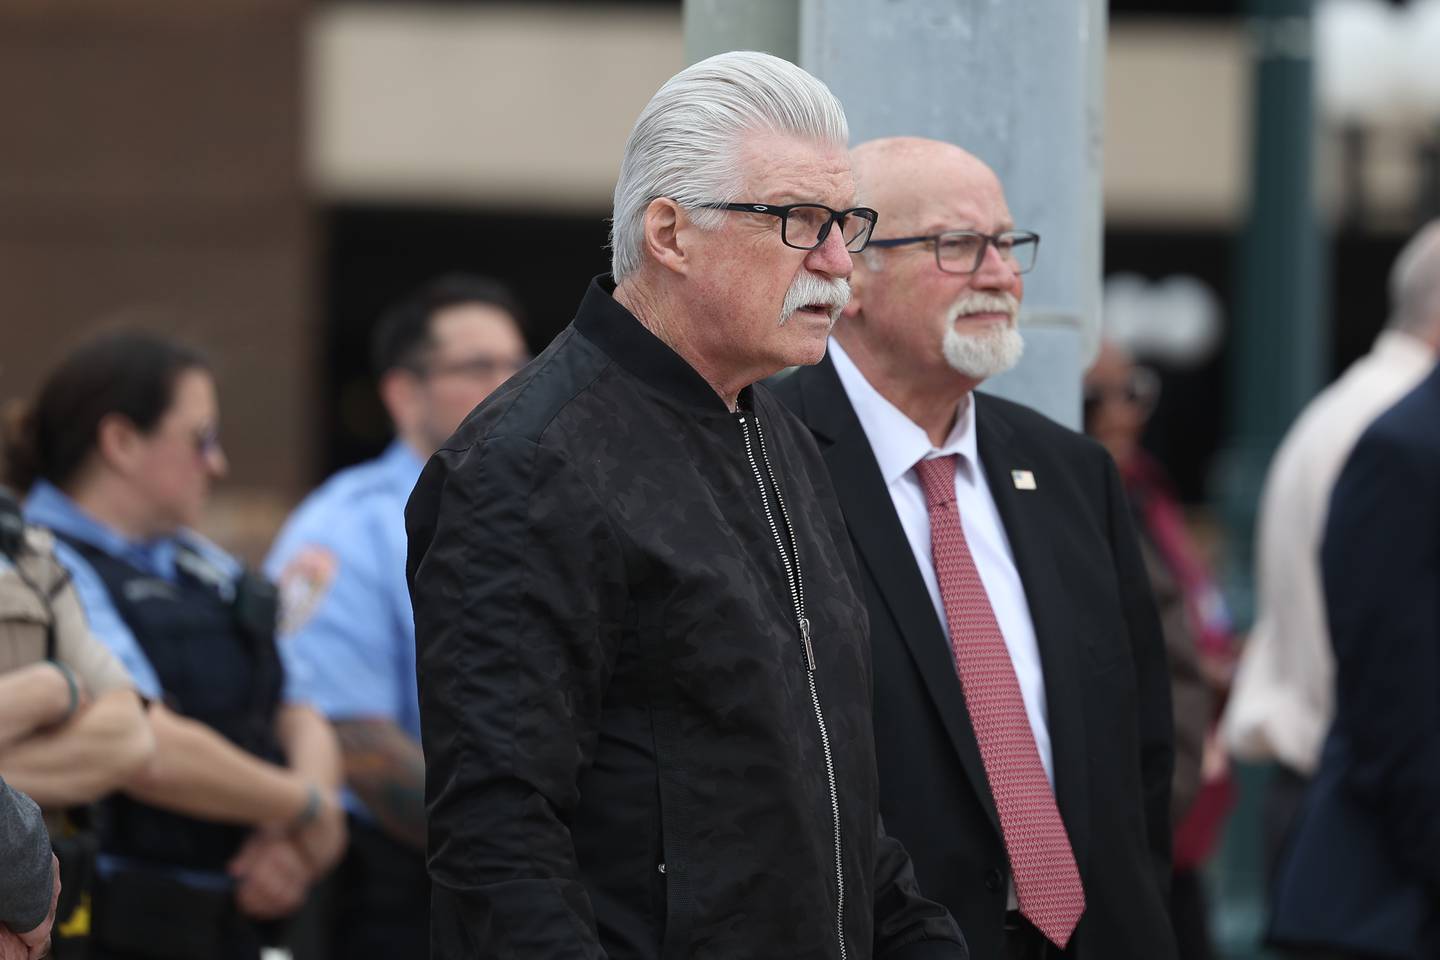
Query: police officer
(238, 812)
(72, 727)
(340, 563)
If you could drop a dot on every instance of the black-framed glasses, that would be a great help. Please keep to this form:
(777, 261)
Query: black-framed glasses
(963, 251)
(805, 226)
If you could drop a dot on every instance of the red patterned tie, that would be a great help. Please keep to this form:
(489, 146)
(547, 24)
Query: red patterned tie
(1047, 882)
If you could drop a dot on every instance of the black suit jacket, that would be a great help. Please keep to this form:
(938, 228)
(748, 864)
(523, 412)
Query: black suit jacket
(1362, 871)
(1101, 649)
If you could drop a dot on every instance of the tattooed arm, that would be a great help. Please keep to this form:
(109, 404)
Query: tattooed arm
(385, 768)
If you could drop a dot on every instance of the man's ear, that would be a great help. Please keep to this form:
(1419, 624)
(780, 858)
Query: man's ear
(399, 392)
(857, 289)
(666, 229)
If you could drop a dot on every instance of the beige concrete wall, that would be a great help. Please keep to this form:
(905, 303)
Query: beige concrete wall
(1176, 127)
(150, 158)
(524, 106)
(529, 105)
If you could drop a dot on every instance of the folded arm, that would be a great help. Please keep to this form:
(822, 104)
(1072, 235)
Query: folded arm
(80, 761)
(32, 698)
(197, 772)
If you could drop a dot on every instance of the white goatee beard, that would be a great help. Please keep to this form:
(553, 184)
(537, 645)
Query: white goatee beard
(984, 353)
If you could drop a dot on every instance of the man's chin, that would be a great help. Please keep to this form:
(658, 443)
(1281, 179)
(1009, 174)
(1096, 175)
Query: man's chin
(809, 353)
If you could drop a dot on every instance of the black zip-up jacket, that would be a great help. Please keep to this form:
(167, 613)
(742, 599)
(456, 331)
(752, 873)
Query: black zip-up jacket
(628, 753)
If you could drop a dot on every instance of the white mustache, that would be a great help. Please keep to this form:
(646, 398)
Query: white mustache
(980, 302)
(808, 288)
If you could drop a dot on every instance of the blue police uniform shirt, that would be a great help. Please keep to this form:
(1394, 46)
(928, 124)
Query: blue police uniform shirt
(346, 615)
(48, 507)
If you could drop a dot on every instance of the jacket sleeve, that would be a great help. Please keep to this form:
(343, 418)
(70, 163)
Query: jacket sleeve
(515, 578)
(907, 926)
(1381, 561)
(1152, 675)
(26, 880)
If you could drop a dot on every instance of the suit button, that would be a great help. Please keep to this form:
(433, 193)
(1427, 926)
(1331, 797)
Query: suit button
(994, 881)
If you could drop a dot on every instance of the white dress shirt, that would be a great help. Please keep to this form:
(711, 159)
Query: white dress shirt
(1283, 698)
(899, 444)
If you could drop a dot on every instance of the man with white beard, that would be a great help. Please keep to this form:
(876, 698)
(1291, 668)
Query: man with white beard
(1022, 707)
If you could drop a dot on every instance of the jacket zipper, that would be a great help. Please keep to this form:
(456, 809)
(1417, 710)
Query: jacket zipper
(796, 582)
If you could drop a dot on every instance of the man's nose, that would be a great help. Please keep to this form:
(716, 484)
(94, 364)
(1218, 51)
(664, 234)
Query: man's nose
(995, 272)
(830, 257)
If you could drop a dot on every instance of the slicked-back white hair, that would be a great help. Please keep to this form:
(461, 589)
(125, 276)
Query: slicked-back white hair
(685, 144)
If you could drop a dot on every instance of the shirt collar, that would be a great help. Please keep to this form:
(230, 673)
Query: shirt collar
(402, 464)
(48, 506)
(1402, 347)
(899, 442)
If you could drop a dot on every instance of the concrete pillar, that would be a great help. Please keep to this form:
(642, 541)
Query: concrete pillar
(1020, 86)
(1280, 335)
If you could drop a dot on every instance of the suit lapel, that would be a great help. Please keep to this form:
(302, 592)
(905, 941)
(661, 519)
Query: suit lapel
(1030, 526)
(882, 546)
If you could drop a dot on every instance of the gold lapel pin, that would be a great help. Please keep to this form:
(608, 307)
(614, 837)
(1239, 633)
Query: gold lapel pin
(1024, 479)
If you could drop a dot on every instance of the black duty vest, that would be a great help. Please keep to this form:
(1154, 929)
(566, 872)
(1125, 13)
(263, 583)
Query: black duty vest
(217, 664)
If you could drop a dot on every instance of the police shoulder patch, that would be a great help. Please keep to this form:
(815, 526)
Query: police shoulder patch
(303, 583)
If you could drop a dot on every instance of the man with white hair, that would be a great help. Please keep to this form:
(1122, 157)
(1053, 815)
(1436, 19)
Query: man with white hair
(644, 673)
(1283, 697)
(1022, 706)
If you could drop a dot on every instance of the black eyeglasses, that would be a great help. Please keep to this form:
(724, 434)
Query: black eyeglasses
(805, 226)
(963, 251)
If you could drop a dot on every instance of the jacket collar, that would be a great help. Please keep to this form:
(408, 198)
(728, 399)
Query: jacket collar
(623, 338)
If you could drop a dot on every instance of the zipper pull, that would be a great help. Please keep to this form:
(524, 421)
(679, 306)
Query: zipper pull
(805, 642)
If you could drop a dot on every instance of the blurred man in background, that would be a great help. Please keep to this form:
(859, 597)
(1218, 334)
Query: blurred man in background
(1282, 701)
(340, 563)
(1360, 875)
(1032, 789)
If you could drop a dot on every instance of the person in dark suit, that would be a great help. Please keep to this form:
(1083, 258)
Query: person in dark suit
(1361, 874)
(1022, 706)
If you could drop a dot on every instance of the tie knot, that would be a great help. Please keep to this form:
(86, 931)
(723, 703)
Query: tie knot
(937, 479)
